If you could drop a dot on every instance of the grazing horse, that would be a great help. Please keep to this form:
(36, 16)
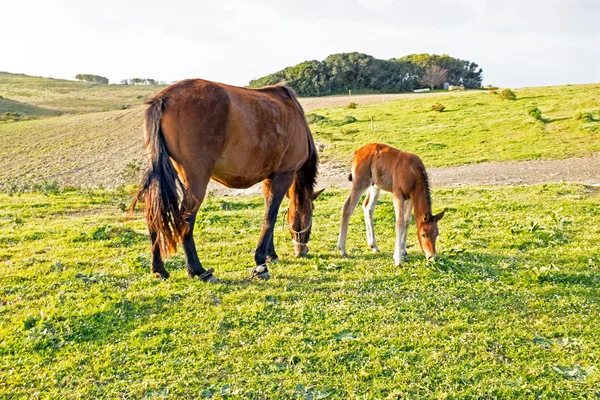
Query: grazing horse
(196, 130)
(378, 166)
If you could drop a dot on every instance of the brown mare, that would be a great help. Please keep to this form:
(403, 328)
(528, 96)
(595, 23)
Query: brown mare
(378, 166)
(196, 130)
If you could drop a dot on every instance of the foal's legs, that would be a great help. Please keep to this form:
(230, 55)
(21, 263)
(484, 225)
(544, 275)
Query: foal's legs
(408, 208)
(399, 203)
(369, 209)
(274, 189)
(358, 188)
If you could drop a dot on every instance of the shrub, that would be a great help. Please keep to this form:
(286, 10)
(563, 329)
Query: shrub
(507, 94)
(348, 119)
(10, 116)
(584, 116)
(439, 107)
(315, 118)
(535, 113)
(352, 105)
(492, 88)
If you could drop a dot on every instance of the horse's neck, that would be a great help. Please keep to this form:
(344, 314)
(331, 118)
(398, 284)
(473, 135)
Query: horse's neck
(419, 199)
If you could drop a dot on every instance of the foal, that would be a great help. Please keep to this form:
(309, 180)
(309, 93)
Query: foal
(378, 166)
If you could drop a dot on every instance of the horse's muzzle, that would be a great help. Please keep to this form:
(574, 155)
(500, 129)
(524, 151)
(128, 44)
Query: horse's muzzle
(300, 250)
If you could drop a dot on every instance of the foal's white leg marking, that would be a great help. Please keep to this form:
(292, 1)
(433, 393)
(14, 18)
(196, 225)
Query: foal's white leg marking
(399, 208)
(368, 210)
(347, 211)
(408, 208)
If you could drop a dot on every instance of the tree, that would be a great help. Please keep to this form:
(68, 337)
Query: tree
(91, 78)
(357, 71)
(435, 76)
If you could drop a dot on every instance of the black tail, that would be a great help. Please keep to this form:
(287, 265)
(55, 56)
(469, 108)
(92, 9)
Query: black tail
(350, 176)
(162, 191)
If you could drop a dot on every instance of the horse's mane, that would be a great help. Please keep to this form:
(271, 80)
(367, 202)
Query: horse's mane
(307, 174)
(421, 168)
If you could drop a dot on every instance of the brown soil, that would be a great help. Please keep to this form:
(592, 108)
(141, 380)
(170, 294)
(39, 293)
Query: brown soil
(574, 170)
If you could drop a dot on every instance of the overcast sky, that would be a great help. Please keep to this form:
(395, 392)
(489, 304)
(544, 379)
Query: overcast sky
(516, 42)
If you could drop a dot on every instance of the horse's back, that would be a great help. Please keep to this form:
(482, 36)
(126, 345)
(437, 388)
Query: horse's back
(242, 135)
(389, 168)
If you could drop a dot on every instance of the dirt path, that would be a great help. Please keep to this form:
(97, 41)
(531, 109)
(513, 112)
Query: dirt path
(313, 103)
(584, 170)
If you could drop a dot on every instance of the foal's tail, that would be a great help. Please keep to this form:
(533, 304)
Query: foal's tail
(162, 192)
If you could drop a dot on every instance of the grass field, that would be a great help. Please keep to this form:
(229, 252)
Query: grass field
(101, 146)
(509, 310)
(474, 127)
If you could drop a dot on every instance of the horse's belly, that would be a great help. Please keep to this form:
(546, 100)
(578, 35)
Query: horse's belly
(237, 177)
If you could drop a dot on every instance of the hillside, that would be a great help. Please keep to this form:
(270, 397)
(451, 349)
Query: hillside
(473, 128)
(60, 95)
(105, 148)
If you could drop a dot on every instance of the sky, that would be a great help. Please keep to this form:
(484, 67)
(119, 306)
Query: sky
(517, 42)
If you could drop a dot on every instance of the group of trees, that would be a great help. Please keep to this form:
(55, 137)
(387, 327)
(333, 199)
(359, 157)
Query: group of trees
(339, 73)
(91, 78)
(133, 81)
(140, 81)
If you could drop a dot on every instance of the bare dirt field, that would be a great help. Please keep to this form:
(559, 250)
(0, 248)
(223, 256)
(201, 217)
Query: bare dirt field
(584, 170)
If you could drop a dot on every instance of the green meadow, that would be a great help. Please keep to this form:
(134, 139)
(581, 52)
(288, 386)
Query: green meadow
(510, 309)
(474, 127)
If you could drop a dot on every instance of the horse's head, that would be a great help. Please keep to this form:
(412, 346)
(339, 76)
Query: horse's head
(300, 221)
(427, 231)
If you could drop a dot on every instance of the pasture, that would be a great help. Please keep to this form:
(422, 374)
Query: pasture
(510, 308)
(100, 144)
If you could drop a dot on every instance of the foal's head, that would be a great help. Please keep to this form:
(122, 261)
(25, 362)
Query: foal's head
(300, 220)
(427, 231)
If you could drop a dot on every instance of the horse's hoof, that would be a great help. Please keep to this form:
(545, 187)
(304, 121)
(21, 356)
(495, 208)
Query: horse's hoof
(161, 274)
(208, 276)
(375, 249)
(260, 272)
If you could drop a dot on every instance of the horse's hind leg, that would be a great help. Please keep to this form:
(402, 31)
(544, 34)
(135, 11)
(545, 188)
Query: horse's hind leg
(358, 188)
(369, 209)
(194, 267)
(158, 266)
(274, 189)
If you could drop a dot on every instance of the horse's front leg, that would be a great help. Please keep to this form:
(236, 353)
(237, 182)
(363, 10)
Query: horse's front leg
(274, 189)
(400, 227)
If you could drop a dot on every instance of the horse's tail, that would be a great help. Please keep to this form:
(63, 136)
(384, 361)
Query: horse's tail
(350, 176)
(162, 192)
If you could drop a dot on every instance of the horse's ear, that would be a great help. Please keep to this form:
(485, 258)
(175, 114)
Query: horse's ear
(317, 194)
(439, 216)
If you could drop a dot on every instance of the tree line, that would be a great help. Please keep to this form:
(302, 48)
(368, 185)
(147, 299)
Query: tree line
(341, 72)
(133, 81)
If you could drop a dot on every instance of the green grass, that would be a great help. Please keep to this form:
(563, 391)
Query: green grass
(510, 309)
(72, 96)
(473, 128)
(7, 105)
